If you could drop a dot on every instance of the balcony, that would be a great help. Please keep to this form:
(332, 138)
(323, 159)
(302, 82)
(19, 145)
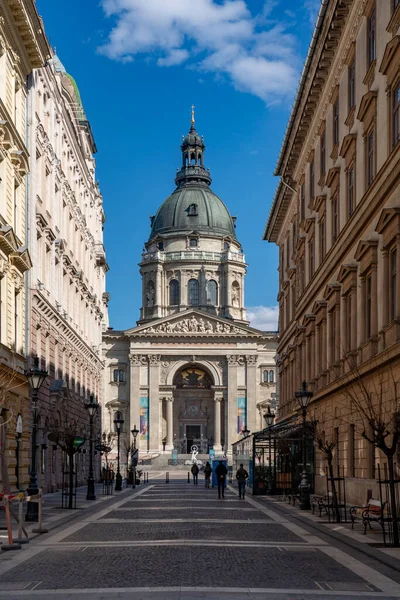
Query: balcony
(193, 255)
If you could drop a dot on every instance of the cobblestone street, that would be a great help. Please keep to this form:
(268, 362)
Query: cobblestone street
(177, 540)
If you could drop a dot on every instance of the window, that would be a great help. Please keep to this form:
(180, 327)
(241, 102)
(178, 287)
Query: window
(352, 84)
(212, 293)
(323, 154)
(368, 305)
(193, 243)
(395, 4)
(271, 377)
(192, 210)
(372, 37)
(302, 201)
(193, 292)
(174, 295)
(336, 123)
(118, 375)
(311, 258)
(335, 218)
(322, 243)
(393, 283)
(160, 245)
(370, 157)
(396, 114)
(312, 180)
(265, 377)
(226, 246)
(350, 191)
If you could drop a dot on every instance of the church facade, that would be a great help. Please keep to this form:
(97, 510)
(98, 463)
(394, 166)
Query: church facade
(192, 371)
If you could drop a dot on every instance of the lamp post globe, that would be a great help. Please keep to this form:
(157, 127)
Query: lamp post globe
(134, 433)
(303, 397)
(92, 408)
(118, 423)
(246, 432)
(269, 417)
(36, 377)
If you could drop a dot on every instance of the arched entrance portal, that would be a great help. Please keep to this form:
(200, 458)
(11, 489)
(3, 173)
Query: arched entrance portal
(197, 410)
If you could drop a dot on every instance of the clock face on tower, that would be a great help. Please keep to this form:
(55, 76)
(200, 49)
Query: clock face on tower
(192, 377)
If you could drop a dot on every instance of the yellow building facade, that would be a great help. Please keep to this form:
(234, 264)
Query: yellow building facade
(23, 47)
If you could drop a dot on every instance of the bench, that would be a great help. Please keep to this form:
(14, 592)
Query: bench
(292, 497)
(319, 502)
(371, 512)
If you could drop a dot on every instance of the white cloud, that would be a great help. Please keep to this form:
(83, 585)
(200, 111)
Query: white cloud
(312, 7)
(263, 317)
(257, 55)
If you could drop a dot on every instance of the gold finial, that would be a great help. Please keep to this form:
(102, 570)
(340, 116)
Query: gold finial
(193, 107)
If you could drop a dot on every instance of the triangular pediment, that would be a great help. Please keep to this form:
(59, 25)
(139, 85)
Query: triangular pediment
(193, 323)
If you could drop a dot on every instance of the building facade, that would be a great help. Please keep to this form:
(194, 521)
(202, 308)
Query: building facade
(23, 47)
(192, 371)
(336, 220)
(67, 303)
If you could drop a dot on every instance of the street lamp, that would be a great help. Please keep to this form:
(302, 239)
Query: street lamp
(36, 377)
(269, 417)
(118, 422)
(92, 407)
(246, 432)
(134, 433)
(303, 397)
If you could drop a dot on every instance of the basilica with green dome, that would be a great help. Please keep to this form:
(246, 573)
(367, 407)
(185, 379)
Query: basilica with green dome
(192, 371)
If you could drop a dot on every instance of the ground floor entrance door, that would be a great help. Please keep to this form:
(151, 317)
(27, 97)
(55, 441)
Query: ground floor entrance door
(193, 432)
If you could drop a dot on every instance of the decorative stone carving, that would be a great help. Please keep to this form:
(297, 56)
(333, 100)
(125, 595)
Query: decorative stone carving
(195, 325)
(235, 359)
(154, 359)
(138, 359)
(251, 359)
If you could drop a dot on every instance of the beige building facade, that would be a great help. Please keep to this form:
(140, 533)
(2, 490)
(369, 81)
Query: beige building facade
(192, 372)
(336, 220)
(67, 302)
(23, 47)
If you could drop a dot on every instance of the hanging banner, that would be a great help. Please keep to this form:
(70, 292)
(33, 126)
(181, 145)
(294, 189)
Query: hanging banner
(144, 418)
(241, 415)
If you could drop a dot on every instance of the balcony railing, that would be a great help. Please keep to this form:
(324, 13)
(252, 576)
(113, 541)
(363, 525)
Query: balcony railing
(196, 255)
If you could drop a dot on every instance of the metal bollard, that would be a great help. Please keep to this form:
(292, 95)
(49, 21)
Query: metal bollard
(167, 477)
(188, 477)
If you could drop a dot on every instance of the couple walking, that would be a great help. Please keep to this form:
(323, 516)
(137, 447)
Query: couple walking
(241, 476)
(207, 474)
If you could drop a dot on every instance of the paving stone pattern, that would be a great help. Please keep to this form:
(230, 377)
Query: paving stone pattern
(183, 566)
(246, 532)
(221, 514)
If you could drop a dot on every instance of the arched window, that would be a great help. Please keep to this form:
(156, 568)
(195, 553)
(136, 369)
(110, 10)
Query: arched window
(265, 377)
(174, 295)
(193, 292)
(199, 159)
(271, 377)
(212, 293)
(193, 159)
(192, 210)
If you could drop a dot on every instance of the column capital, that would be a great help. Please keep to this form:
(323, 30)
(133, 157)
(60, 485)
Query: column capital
(251, 360)
(138, 360)
(235, 360)
(154, 360)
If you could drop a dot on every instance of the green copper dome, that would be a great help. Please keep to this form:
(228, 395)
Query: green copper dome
(193, 206)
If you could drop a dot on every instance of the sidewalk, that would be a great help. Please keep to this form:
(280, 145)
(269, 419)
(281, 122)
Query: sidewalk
(54, 515)
(370, 544)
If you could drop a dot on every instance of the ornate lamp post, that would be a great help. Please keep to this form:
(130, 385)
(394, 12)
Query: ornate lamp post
(269, 417)
(303, 397)
(246, 432)
(92, 407)
(118, 423)
(36, 377)
(134, 433)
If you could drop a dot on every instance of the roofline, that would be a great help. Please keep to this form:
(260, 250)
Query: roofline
(300, 89)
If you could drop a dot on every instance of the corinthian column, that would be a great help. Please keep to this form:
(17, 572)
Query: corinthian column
(170, 423)
(217, 424)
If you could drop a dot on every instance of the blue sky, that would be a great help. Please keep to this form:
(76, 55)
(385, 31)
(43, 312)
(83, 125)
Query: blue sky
(139, 65)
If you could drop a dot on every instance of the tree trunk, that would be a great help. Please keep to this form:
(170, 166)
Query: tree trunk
(393, 506)
(334, 493)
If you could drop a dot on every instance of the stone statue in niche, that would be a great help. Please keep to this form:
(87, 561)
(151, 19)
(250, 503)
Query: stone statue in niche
(150, 294)
(235, 295)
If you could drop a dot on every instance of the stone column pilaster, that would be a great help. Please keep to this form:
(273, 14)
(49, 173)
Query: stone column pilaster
(251, 394)
(170, 423)
(363, 315)
(344, 330)
(231, 413)
(136, 361)
(374, 300)
(353, 310)
(385, 287)
(154, 399)
(397, 315)
(217, 422)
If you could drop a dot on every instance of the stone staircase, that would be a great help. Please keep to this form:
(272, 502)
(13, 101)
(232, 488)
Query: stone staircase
(150, 463)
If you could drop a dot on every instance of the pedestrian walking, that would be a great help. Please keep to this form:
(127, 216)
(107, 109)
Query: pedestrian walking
(195, 473)
(207, 474)
(241, 476)
(221, 472)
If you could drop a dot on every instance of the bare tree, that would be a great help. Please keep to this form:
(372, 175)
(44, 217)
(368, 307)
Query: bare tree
(327, 446)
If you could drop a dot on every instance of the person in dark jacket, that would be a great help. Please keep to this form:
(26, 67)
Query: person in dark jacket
(221, 472)
(241, 476)
(207, 474)
(195, 473)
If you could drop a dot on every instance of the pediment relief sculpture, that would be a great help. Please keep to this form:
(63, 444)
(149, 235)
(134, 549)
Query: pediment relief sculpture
(195, 325)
